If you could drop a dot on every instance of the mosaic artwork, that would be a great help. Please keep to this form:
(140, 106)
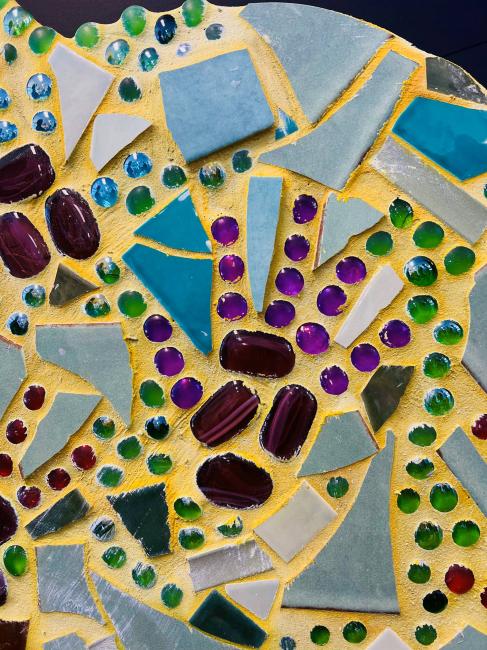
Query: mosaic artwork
(243, 357)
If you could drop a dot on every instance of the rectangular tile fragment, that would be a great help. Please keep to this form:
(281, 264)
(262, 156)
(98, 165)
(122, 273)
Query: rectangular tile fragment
(12, 371)
(67, 642)
(70, 508)
(475, 355)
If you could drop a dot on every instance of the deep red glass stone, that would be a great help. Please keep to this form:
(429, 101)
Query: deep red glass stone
(256, 353)
(16, 432)
(287, 424)
(72, 225)
(83, 457)
(231, 481)
(25, 172)
(58, 479)
(483, 597)
(225, 414)
(13, 634)
(22, 248)
(29, 497)
(3, 589)
(34, 397)
(6, 465)
(8, 521)
(459, 579)
(479, 427)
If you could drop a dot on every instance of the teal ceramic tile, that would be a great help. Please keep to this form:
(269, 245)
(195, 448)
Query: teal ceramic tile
(383, 392)
(448, 78)
(286, 127)
(475, 355)
(70, 508)
(12, 371)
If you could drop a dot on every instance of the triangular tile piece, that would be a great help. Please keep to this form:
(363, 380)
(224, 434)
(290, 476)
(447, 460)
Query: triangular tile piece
(341, 220)
(97, 353)
(68, 286)
(355, 572)
(450, 79)
(383, 392)
(335, 148)
(263, 203)
(82, 85)
(388, 640)
(337, 48)
(67, 642)
(257, 595)
(178, 226)
(343, 440)
(108, 643)
(111, 133)
(468, 639)
(70, 508)
(12, 371)
(286, 126)
(475, 355)
(188, 300)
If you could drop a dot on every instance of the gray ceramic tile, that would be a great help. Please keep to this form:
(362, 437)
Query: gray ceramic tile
(108, 643)
(475, 355)
(453, 206)
(321, 51)
(111, 133)
(450, 79)
(68, 286)
(70, 508)
(257, 596)
(468, 639)
(355, 572)
(12, 372)
(388, 640)
(68, 642)
(384, 391)
(335, 148)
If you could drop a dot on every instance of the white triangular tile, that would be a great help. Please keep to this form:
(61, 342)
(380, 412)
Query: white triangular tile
(257, 596)
(111, 133)
(388, 640)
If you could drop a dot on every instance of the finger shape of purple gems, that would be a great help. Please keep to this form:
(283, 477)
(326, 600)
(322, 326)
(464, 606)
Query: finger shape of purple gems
(289, 281)
(157, 328)
(231, 268)
(279, 313)
(231, 306)
(296, 247)
(351, 270)
(225, 230)
(312, 338)
(169, 361)
(330, 299)
(186, 392)
(305, 208)
(395, 334)
(365, 357)
(334, 380)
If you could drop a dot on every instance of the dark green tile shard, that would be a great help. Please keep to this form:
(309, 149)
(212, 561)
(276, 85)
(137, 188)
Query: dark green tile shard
(68, 286)
(382, 394)
(144, 514)
(217, 616)
(72, 507)
(13, 635)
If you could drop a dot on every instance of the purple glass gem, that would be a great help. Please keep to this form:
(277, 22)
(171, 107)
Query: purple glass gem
(22, 248)
(225, 230)
(330, 299)
(395, 334)
(279, 313)
(305, 208)
(157, 328)
(231, 306)
(186, 392)
(296, 247)
(365, 357)
(351, 270)
(312, 338)
(231, 268)
(334, 380)
(289, 281)
(3, 589)
(169, 361)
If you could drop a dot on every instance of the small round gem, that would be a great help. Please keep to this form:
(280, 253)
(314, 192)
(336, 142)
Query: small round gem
(41, 39)
(334, 380)
(133, 20)
(191, 538)
(459, 579)
(117, 52)
(15, 560)
(5, 99)
(231, 528)
(6, 465)
(225, 230)
(279, 313)
(435, 602)
(231, 268)
(173, 176)
(159, 464)
(129, 448)
(428, 536)
(144, 575)
(479, 427)
(157, 328)
(193, 12)
(104, 192)
(305, 208)
(9, 53)
(330, 299)
(422, 435)
(438, 401)
(337, 487)
(129, 90)
(214, 32)
(108, 271)
(39, 87)
(29, 497)
(157, 427)
(459, 260)
(139, 200)
(44, 122)
(165, 29)
(465, 533)
(420, 469)
(287, 643)
(8, 131)
(379, 243)
(365, 357)
(231, 306)
(131, 304)
(34, 397)
(97, 306)
(401, 213)
(186, 392)
(187, 509)
(87, 35)
(241, 161)
(169, 361)
(289, 281)
(351, 270)
(148, 59)
(109, 476)
(436, 365)
(395, 334)
(137, 165)
(16, 432)
(419, 573)
(16, 21)
(320, 635)
(58, 479)
(448, 332)
(408, 501)
(425, 634)
(212, 176)
(354, 632)
(443, 497)
(151, 393)
(83, 457)
(296, 247)
(421, 271)
(103, 529)
(18, 323)
(422, 308)
(171, 595)
(34, 295)
(428, 235)
(312, 338)
(114, 557)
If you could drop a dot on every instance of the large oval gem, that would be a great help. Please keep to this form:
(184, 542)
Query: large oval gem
(226, 413)
(287, 425)
(257, 353)
(25, 172)
(22, 248)
(8, 521)
(72, 224)
(231, 481)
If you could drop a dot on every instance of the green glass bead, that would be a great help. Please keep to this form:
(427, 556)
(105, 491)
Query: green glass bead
(436, 365)
(401, 213)
(465, 533)
(428, 235)
(151, 393)
(425, 634)
(448, 332)
(10, 53)
(422, 435)
(16, 21)
(241, 161)
(148, 59)
(15, 560)
(337, 487)
(420, 469)
(108, 271)
(144, 575)
(408, 501)
(41, 39)
(34, 295)
(87, 35)
(320, 635)
(419, 573)
(459, 260)
(187, 509)
(171, 595)
(173, 176)
(97, 306)
(114, 557)
(104, 427)
(129, 90)
(232, 528)
(428, 535)
(134, 20)
(139, 200)
(379, 243)
(443, 497)
(132, 304)
(193, 12)
(159, 464)
(422, 308)
(438, 401)
(421, 271)
(191, 538)
(129, 448)
(212, 176)
(109, 476)
(354, 632)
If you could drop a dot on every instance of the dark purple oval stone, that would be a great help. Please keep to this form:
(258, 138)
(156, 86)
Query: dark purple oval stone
(3, 589)
(8, 521)
(22, 248)
(72, 225)
(25, 172)
(257, 353)
(287, 424)
(225, 414)
(231, 481)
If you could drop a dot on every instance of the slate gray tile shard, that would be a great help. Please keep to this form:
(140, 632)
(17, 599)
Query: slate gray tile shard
(475, 355)
(451, 204)
(12, 372)
(214, 103)
(70, 508)
(343, 440)
(355, 572)
(263, 203)
(108, 643)
(144, 514)
(97, 353)
(468, 639)
(67, 642)
(68, 286)
(226, 563)
(321, 51)
(61, 581)
(142, 628)
(383, 392)
(341, 220)
(467, 465)
(450, 79)
(334, 149)
(65, 417)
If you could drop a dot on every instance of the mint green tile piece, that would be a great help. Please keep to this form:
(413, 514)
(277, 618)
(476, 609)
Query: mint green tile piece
(12, 372)
(475, 355)
(468, 639)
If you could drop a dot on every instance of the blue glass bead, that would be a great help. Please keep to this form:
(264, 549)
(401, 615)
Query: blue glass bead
(18, 323)
(44, 122)
(8, 131)
(165, 29)
(39, 87)
(5, 100)
(104, 192)
(137, 165)
(148, 59)
(16, 21)
(116, 52)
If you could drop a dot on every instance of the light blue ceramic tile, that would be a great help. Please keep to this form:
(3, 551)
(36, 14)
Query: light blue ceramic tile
(468, 639)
